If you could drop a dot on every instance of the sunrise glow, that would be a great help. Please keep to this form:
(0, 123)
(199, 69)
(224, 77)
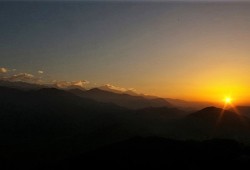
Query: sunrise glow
(186, 53)
(228, 100)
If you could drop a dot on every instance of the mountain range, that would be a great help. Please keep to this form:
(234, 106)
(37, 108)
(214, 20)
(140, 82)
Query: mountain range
(129, 98)
(77, 111)
(54, 123)
(124, 100)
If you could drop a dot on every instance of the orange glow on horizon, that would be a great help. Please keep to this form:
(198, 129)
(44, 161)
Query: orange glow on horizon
(228, 105)
(212, 91)
(228, 100)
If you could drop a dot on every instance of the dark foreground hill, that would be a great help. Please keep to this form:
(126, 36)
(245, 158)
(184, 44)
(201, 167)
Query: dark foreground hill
(149, 153)
(212, 122)
(244, 110)
(154, 152)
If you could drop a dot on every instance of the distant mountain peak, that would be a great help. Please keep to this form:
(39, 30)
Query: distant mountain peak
(21, 85)
(65, 85)
(98, 90)
(214, 113)
(211, 108)
(118, 90)
(51, 90)
(76, 90)
(121, 99)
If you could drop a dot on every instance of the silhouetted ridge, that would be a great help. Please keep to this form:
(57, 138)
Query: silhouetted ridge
(124, 100)
(75, 90)
(21, 85)
(208, 112)
(7, 90)
(213, 113)
(54, 92)
(161, 113)
(211, 109)
(214, 122)
(51, 91)
(98, 91)
(244, 110)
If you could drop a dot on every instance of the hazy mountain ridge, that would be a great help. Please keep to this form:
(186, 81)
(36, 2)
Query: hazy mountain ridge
(212, 122)
(118, 90)
(189, 105)
(244, 110)
(129, 98)
(162, 113)
(21, 85)
(124, 100)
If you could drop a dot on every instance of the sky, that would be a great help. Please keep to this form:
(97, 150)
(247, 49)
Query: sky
(185, 50)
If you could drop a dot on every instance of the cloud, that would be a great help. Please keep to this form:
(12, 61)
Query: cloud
(38, 79)
(3, 70)
(112, 87)
(116, 89)
(24, 77)
(71, 84)
(80, 83)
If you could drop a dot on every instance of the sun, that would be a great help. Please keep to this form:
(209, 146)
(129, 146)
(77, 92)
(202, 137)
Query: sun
(228, 100)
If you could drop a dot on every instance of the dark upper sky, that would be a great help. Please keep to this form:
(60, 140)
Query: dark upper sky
(176, 49)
